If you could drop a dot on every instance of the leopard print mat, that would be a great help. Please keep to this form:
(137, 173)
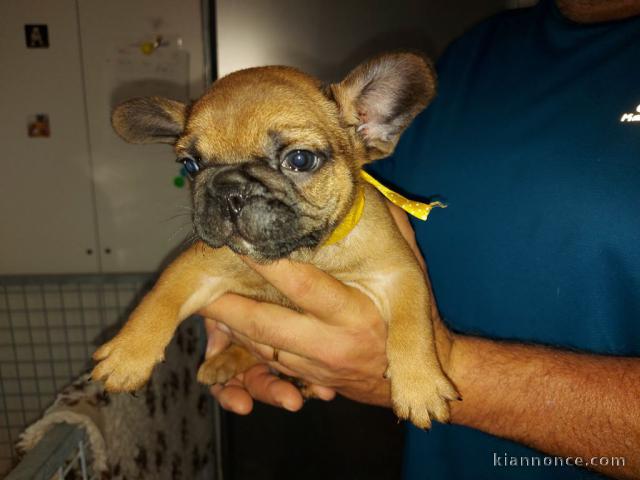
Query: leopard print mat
(164, 431)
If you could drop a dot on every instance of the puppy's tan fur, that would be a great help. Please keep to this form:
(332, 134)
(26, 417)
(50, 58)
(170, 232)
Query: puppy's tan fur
(240, 118)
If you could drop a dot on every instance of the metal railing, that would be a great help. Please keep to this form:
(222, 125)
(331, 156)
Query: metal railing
(62, 453)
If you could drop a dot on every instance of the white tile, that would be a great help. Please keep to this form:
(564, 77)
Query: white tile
(37, 318)
(14, 407)
(47, 385)
(34, 300)
(76, 335)
(91, 316)
(52, 299)
(11, 387)
(21, 336)
(8, 370)
(6, 354)
(31, 402)
(40, 335)
(26, 370)
(16, 301)
(78, 352)
(42, 353)
(55, 318)
(32, 415)
(61, 370)
(60, 353)
(70, 299)
(80, 366)
(43, 370)
(24, 354)
(58, 335)
(89, 299)
(28, 387)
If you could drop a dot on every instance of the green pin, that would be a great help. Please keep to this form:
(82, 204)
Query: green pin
(178, 181)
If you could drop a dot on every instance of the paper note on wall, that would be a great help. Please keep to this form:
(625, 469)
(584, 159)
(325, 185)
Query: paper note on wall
(133, 73)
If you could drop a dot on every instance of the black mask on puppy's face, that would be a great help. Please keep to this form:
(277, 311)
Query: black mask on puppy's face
(274, 156)
(235, 206)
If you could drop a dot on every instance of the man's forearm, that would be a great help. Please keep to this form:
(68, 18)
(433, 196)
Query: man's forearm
(562, 403)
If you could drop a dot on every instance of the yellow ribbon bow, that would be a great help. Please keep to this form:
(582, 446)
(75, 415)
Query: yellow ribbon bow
(417, 209)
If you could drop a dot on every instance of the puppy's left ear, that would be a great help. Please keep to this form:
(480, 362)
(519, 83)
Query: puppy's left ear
(149, 120)
(382, 96)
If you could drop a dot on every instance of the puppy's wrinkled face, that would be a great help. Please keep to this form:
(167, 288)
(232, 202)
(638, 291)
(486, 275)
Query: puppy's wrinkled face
(275, 156)
(276, 170)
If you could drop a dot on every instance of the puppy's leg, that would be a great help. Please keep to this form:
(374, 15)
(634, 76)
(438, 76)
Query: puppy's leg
(193, 280)
(226, 365)
(419, 388)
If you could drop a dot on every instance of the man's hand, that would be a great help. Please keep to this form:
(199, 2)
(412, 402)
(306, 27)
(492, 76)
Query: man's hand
(338, 344)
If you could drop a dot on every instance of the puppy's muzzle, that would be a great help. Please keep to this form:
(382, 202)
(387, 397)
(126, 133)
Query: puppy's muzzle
(231, 198)
(231, 189)
(238, 210)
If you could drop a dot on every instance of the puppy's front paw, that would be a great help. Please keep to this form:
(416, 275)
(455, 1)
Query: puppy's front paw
(226, 365)
(125, 363)
(419, 395)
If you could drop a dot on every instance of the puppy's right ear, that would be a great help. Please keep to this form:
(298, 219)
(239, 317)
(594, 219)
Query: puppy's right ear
(149, 120)
(382, 96)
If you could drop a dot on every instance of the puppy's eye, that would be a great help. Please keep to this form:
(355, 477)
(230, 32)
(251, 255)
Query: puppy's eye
(301, 161)
(191, 165)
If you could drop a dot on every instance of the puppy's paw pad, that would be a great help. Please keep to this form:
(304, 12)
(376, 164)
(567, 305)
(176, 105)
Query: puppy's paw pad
(123, 365)
(218, 369)
(421, 398)
(306, 390)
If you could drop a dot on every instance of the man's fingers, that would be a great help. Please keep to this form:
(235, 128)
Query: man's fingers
(323, 393)
(266, 387)
(267, 323)
(233, 397)
(311, 289)
(217, 339)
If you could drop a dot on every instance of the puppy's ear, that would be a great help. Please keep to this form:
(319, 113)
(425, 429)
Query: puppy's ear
(382, 96)
(149, 120)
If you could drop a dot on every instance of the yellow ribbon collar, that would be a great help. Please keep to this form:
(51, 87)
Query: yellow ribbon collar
(417, 209)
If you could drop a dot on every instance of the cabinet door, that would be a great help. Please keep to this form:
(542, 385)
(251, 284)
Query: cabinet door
(46, 203)
(142, 215)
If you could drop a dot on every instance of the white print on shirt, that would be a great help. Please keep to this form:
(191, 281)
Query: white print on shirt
(631, 117)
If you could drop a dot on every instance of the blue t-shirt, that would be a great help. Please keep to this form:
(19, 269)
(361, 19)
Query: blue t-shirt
(534, 143)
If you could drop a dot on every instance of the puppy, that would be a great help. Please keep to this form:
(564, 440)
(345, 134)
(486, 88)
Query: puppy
(275, 159)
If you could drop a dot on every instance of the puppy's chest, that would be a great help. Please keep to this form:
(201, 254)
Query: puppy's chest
(376, 284)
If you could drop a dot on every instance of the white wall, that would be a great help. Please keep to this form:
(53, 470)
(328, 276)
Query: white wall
(328, 37)
(141, 215)
(83, 200)
(45, 183)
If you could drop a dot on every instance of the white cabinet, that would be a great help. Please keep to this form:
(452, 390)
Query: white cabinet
(81, 200)
(46, 202)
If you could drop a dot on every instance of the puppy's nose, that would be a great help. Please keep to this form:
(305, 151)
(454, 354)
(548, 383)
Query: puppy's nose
(235, 202)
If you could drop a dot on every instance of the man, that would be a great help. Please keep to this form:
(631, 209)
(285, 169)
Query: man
(534, 144)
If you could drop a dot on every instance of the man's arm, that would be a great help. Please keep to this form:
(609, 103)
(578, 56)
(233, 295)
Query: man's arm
(562, 403)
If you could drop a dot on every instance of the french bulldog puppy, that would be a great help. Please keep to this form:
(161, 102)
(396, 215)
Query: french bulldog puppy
(275, 158)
